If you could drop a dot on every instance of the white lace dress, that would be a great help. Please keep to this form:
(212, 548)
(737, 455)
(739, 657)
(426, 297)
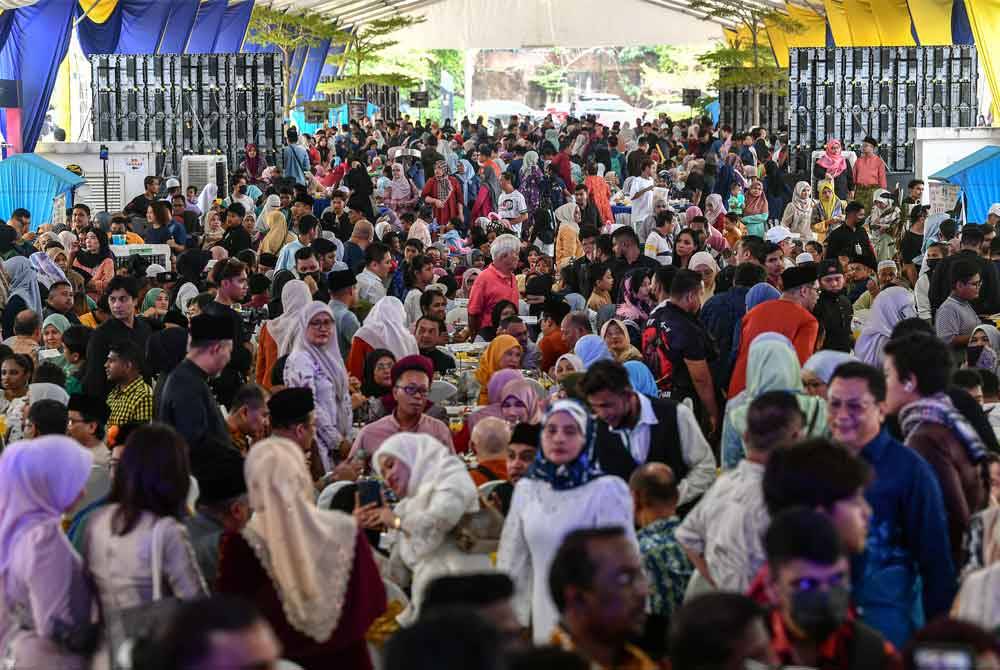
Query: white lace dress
(539, 518)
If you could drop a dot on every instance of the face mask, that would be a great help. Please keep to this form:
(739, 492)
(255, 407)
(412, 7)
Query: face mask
(972, 355)
(820, 613)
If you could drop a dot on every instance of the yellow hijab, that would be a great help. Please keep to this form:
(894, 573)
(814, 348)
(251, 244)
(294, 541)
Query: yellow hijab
(277, 235)
(489, 362)
(829, 203)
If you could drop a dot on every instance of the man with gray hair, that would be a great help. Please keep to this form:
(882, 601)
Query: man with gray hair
(574, 326)
(494, 284)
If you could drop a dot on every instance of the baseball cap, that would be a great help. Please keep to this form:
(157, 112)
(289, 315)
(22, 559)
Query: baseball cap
(778, 234)
(995, 209)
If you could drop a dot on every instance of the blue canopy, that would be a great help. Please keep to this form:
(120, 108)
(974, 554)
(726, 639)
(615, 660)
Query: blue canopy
(979, 176)
(32, 182)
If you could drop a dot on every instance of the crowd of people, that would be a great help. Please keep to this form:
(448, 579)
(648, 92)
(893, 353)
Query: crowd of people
(532, 395)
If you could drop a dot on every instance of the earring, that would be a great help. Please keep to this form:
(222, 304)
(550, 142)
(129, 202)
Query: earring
(908, 386)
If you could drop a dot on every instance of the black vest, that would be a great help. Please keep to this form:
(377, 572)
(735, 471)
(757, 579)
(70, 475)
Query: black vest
(664, 445)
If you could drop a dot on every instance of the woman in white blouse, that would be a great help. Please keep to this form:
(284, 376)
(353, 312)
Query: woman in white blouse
(564, 490)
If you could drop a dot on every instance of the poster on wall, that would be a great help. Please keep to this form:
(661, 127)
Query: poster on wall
(943, 196)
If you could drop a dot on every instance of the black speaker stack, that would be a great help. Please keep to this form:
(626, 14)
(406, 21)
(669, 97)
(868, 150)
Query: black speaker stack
(386, 98)
(193, 104)
(736, 106)
(884, 92)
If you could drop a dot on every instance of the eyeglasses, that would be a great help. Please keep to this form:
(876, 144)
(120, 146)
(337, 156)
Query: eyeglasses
(384, 366)
(414, 391)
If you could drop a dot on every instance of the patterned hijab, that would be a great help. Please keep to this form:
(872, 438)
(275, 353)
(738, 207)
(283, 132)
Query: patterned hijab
(584, 468)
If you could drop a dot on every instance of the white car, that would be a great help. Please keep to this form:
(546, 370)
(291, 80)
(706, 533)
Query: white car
(607, 108)
(503, 110)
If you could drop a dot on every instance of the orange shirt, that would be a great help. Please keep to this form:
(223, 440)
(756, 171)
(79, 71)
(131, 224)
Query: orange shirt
(777, 316)
(498, 466)
(267, 356)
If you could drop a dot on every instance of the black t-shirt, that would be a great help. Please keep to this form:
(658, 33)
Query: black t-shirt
(911, 246)
(139, 205)
(852, 243)
(235, 240)
(688, 341)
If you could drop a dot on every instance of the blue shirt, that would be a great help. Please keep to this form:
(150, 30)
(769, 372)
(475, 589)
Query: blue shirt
(286, 257)
(905, 575)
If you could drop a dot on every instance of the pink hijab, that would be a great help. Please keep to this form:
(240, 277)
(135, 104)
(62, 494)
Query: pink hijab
(833, 163)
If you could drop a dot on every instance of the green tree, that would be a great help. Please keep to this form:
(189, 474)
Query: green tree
(753, 62)
(364, 51)
(287, 32)
(550, 77)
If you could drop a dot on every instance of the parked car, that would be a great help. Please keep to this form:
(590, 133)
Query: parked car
(607, 107)
(503, 110)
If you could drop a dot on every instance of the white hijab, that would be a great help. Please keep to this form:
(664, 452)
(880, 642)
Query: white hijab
(385, 328)
(307, 552)
(184, 294)
(272, 204)
(890, 306)
(328, 357)
(206, 198)
(285, 328)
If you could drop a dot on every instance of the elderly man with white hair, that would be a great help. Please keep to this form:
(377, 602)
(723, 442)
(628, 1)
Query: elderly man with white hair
(494, 284)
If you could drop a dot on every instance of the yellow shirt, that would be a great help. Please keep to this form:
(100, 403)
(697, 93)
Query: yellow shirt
(634, 658)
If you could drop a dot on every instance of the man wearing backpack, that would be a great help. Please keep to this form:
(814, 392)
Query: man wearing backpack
(633, 429)
(677, 348)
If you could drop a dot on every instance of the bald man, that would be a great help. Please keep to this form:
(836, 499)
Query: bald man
(361, 236)
(489, 442)
(654, 497)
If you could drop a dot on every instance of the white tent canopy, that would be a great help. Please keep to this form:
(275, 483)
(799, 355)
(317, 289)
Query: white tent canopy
(510, 24)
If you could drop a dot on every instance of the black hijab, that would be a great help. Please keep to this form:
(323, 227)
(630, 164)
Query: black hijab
(369, 387)
(92, 260)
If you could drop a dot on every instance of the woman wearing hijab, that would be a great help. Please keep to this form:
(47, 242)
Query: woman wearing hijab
(755, 211)
(319, 608)
(213, 230)
(45, 597)
(798, 215)
(615, 334)
(715, 212)
(315, 363)
(564, 490)
(279, 334)
(503, 353)
(494, 389)
(253, 165)
(568, 245)
(833, 165)
(185, 294)
(53, 328)
(828, 212)
(96, 260)
(818, 370)
(434, 491)
(277, 234)
(444, 193)
(271, 204)
(703, 263)
(375, 385)
(360, 183)
(776, 190)
(530, 184)
(591, 348)
(383, 328)
(983, 350)
(155, 304)
(771, 366)
(890, 306)
(599, 194)
(46, 269)
(468, 279)
(637, 301)
(401, 195)
(23, 293)
(520, 403)
(641, 379)
(883, 225)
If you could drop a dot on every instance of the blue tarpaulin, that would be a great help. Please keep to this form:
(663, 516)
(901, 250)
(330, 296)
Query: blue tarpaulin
(234, 28)
(206, 28)
(179, 25)
(134, 27)
(32, 182)
(979, 176)
(35, 41)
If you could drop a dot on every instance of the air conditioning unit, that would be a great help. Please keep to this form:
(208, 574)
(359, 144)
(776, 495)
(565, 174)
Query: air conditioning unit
(92, 192)
(199, 171)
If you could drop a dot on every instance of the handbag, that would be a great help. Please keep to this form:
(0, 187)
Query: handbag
(479, 532)
(134, 627)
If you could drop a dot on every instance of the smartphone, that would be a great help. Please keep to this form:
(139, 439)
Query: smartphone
(937, 656)
(369, 491)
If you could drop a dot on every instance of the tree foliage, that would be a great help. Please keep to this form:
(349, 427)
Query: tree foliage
(287, 32)
(551, 77)
(365, 49)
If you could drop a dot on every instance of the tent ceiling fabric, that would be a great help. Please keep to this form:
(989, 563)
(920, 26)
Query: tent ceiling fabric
(464, 24)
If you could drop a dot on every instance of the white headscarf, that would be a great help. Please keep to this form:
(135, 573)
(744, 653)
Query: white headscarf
(184, 294)
(307, 552)
(272, 204)
(566, 216)
(285, 328)
(67, 239)
(433, 467)
(47, 391)
(39, 480)
(206, 198)
(48, 272)
(890, 306)
(385, 328)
